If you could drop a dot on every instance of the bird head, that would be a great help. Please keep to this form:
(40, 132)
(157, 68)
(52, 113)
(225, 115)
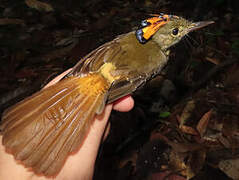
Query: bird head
(167, 30)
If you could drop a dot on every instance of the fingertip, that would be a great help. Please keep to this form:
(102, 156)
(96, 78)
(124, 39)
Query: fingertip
(57, 78)
(124, 104)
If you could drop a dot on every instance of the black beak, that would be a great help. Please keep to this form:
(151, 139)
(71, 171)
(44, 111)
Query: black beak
(199, 25)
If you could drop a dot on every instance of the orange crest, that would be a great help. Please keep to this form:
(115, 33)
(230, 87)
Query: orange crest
(150, 26)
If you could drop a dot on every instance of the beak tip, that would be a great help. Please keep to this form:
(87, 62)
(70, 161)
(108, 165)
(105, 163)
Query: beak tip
(200, 24)
(208, 22)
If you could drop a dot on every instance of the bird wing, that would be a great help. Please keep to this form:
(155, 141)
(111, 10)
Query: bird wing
(129, 79)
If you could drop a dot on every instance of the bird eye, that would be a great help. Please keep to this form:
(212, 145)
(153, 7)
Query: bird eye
(175, 31)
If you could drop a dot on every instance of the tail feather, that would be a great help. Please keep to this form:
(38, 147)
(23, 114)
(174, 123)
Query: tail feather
(43, 129)
(38, 102)
(64, 139)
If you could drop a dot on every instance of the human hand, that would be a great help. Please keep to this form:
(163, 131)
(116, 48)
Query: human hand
(79, 165)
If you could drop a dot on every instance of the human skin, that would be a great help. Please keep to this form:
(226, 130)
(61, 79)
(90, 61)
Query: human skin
(80, 164)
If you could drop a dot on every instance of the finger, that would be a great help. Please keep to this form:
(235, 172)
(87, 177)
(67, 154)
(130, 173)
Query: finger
(124, 104)
(58, 78)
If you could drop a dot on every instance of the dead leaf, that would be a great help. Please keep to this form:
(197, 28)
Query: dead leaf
(213, 60)
(6, 21)
(187, 111)
(40, 6)
(195, 163)
(224, 141)
(184, 147)
(202, 124)
(188, 130)
(166, 175)
(177, 163)
(180, 147)
(190, 167)
(230, 167)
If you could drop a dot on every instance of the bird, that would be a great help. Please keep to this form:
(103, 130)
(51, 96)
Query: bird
(42, 130)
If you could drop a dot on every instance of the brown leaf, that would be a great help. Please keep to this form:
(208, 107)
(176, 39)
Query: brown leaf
(40, 6)
(195, 163)
(188, 130)
(230, 167)
(202, 124)
(213, 60)
(166, 175)
(177, 163)
(187, 111)
(224, 141)
(6, 21)
(178, 146)
(190, 167)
